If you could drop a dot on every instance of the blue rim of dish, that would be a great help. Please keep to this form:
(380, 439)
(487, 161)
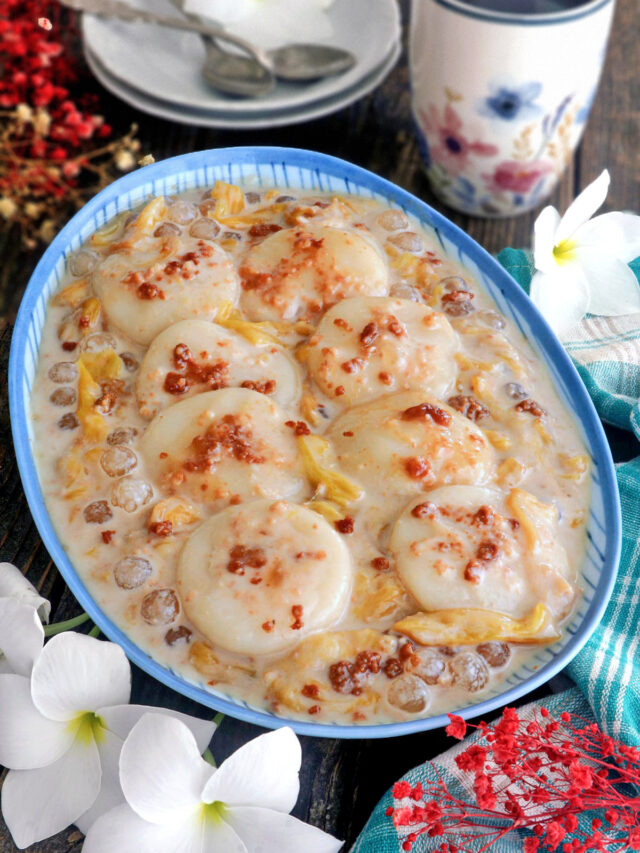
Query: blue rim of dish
(562, 16)
(353, 176)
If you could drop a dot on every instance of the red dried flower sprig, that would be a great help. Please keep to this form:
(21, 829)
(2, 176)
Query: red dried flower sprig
(52, 149)
(541, 775)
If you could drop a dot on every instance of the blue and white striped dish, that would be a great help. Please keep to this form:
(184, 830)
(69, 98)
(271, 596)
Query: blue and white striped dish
(284, 167)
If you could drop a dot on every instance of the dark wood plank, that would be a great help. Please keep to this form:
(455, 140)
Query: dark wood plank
(341, 780)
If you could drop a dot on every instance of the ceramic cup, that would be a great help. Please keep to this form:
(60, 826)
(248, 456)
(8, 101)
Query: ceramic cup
(501, 91)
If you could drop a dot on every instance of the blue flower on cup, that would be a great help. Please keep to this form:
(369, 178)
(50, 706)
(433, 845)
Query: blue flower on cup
(510, 102)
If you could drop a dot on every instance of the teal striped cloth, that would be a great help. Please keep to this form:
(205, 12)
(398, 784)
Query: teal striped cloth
(606, 352)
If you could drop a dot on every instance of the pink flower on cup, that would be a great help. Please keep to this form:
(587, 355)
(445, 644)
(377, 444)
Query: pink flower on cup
(517, 176)
(448, 146)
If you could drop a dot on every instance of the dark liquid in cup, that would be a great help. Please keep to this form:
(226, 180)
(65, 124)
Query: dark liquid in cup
(527, 7)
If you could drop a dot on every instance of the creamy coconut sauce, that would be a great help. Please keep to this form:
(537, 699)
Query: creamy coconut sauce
(297, 455)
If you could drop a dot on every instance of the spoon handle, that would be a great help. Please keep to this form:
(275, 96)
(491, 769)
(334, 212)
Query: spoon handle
(118, 9)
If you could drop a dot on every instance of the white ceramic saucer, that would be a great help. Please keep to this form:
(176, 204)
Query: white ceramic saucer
(166, 64)
(222, 119)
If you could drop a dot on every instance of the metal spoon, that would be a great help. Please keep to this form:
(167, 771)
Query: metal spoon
(243, 75)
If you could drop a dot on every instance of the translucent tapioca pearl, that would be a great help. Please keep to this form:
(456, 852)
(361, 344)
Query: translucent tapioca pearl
(131, 493)
(98, 342)
(68, 421)
(63, 371)
(131, 572)
(252, 197)
(470, 672)
(459, 309)
(182, 212)
(167, 229)
(516, 391)
(97, 512)
(204, 229)
(63, 396)
(408, 693)
(129, 360)
(431, 667)
(451, 283)
(405, 291)
(122, 435)
(181, 634)
(160, 607)
(392, 220)
(207, 206)
(118, 460)
(495, 653)
(491, 318)
(82, 262)
(408, 241)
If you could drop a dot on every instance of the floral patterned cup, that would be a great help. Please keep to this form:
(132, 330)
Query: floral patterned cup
(500, 98)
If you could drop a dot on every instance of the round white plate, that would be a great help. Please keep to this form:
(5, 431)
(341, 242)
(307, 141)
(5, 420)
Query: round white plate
(166, 64)
(222, 119)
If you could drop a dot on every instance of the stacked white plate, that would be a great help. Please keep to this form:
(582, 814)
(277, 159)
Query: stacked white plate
(158, 70)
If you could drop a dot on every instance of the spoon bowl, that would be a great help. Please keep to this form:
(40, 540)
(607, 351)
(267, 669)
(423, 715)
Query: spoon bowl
(309, 61)
(241, 75)
(234, 74)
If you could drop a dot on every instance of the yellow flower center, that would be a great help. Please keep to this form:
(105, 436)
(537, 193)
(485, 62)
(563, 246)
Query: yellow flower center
(565, 251)
(213, 812)
(87, 726)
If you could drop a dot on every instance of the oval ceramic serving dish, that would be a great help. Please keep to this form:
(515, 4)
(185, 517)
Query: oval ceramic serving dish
(294, 168)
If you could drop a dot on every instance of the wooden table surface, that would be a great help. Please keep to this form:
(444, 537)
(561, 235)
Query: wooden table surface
(341, 780)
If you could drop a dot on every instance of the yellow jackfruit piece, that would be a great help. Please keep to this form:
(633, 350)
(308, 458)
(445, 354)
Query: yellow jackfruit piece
(176, 510)
(229, 200)
(256, 333)
(326, 509)
(93, 368)
(73, 294)
(463, 626)
(317, 459)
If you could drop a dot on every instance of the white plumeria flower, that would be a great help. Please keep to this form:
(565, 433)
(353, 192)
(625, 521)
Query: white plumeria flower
(581, 262)
(61, 733)
(268, 23)
(178, 802)
(21, 633)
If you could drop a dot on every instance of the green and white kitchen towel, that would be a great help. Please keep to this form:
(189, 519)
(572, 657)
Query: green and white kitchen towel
(606, 351)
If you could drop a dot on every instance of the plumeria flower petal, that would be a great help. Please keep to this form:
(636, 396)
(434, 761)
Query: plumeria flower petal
(581, 262)
(27, 739)
(161, 771)
(619, 232)
(77, 673)
(191, 807)
(563, 298)
(56, 735)
(613, 287)
(13, 584)
(120, 719)
(123, 830)
(39, 803)
(263, 772)
(110, 793)
(583, 207)
(269, 831)
(21, 636)
(544, 230)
